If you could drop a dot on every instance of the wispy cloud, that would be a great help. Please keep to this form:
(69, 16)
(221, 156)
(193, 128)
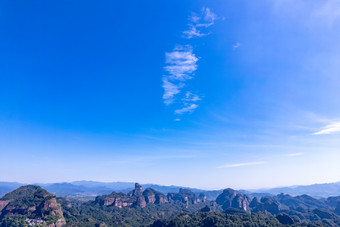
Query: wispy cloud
(181, 65)
(293, 154)
(187, 109)
(329, 129)
(236, 45)
(199, 23)
(190, 97)
(241, 164)
(170, 90)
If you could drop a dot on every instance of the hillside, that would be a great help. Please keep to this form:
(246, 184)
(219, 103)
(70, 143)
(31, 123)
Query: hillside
(149, 207)
(30, 204)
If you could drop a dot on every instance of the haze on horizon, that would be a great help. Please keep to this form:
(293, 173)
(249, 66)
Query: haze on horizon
(206, 94)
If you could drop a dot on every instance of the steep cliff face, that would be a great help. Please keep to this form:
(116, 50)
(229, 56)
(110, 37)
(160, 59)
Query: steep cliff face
(230, 198)
(33, 203)
(138, 191)
(153, 196)
(140, 198)
(266, 204)
(138, 194)
(185, 196)
(135, 198)
(202, 198)
(116, 199)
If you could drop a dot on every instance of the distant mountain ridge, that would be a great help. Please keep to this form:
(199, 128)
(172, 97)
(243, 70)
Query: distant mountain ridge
(93, 188)
(316, 190)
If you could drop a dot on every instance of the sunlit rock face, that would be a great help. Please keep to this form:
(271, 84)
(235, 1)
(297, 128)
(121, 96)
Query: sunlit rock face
(33, 202)
(135, 198)
(230, 198)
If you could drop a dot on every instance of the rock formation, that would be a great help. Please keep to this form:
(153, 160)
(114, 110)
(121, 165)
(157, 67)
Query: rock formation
(153, 196)
(33, 202)
(135, 198)
(230, 198)
(185, 196)
(266, 204)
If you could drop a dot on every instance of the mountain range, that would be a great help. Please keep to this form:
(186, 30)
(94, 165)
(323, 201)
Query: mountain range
(32, 205)
(90, 189)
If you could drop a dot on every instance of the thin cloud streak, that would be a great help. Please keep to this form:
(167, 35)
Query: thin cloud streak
(241, 164)
(188, 109)
(293, 154)
(199, 22)
(190, 97)
(329, 129)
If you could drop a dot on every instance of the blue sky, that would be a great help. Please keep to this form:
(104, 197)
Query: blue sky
(208, 94)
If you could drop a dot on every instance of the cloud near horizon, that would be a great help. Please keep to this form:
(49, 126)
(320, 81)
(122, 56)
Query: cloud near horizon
(329, 129)
(241, 164)
(293, 154)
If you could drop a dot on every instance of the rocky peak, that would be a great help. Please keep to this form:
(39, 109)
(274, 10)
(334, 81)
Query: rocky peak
(230, 198)
(266, 204)
(33, 202)
(138, 191)
(185, 196)
(202, 197)
(153, 196)
(254, 203)
(134, 198)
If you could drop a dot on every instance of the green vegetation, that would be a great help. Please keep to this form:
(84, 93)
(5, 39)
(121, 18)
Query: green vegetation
(32, 204)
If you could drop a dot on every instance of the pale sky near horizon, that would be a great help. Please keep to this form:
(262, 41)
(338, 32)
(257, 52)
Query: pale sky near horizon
(206, 94)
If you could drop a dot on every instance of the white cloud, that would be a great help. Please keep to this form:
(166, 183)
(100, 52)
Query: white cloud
(170, 90)
(193, 32)
(237, 45)
(181, 63)
(293, 154)
(198, 22)
(188, 109)
(242, 164)
(208, 15)
(329, 129)
(190, 97)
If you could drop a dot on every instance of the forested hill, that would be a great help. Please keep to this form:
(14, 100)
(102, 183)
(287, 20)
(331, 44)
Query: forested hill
(149, 207)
